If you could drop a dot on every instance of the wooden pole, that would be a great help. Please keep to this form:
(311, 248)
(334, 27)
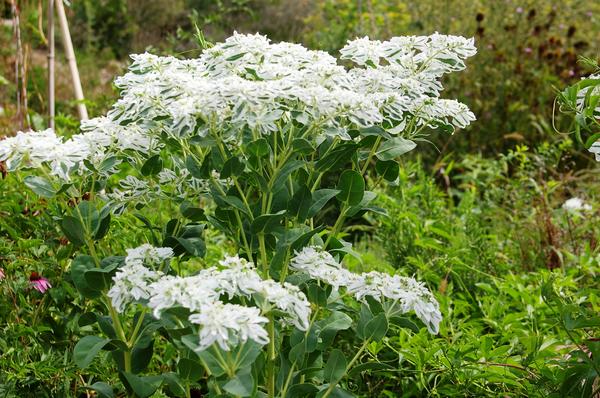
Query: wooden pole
(70, 54)
(51, 110)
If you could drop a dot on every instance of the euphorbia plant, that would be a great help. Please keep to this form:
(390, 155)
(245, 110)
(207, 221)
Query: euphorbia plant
(274, 146)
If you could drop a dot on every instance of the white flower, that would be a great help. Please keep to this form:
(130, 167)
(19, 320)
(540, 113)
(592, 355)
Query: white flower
(249, 82)
(131, 282)
(410, 294)
(595, 149)
(576, 204)
(229, 325)
(148, 255)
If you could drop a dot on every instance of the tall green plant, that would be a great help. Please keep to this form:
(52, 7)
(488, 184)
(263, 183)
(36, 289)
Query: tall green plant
(271, 145)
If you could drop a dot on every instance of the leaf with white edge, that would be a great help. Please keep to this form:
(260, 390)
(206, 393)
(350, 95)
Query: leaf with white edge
(40, 185)
(395, 147)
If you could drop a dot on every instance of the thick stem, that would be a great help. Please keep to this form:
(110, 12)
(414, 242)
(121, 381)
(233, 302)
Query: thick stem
(271, 359)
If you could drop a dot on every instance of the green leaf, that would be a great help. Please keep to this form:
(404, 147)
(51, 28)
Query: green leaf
(404, 323)
(73, 230)
(285, 171)
(336, 321)
(302, 146)
(40, 185)
(335, 368)
(388, 169)
(266, 222)
(193, 213)
(351, 186)
(99, 278)
(335, 393)
(242, 385)
(258, 148)
(103, 389)
(368, 197)
(395, 147)
(374, 131)
(103, 228)
(144, 386)
(302, 390)
(86, 350)
(235, 57)
(303, 239)
(318, 294)
(376, 328)
(301, 202)
(246, 354)
(174, 384)
(189, 370)
(232, 167)
(369, 366)
(194, 168)
(336, 158)
(320, 199)
(214, 365)
(193, 246)
(79, 266)
(152, 166)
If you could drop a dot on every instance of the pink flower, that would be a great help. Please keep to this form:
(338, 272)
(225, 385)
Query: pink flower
(39, 283)
(1, 273)
(519, 10)
(528, 50)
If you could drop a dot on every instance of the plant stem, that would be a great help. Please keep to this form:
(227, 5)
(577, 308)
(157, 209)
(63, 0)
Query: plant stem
(348, 367)
(271, 359)
(337, 225)
(136, 329)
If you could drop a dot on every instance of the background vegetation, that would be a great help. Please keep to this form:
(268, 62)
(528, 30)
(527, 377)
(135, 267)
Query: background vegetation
(479, 216)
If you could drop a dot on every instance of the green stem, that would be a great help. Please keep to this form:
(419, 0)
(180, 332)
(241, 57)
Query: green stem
(120, 333)
(263, 255)
(271, 359)
(136, 329)
(337, 225)
(371, 153)
(348, 367)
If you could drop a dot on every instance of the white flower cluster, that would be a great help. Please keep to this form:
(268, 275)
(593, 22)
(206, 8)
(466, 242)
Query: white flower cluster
(575, 205)
(581, 100)
(132, 281)
(410, 294)
(100, 138)
(223, 323)
(247, 81)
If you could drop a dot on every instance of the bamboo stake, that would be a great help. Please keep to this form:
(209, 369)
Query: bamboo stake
(20, 77)
(51, 110)
(70, 54)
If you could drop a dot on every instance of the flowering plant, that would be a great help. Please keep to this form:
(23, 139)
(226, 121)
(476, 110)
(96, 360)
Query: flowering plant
(267, 144)
(582, 101)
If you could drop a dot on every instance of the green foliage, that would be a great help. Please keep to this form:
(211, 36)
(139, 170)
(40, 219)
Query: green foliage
(514, 271)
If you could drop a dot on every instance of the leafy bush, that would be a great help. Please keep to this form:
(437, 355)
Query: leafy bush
(245, 140)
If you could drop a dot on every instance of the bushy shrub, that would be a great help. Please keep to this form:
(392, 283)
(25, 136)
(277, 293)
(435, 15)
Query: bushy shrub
(257, 141)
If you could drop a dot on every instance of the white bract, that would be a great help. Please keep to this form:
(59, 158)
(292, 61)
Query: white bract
(575, 205)
(249, 82)
(581, 103)
(222, 323)
(410, 294)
